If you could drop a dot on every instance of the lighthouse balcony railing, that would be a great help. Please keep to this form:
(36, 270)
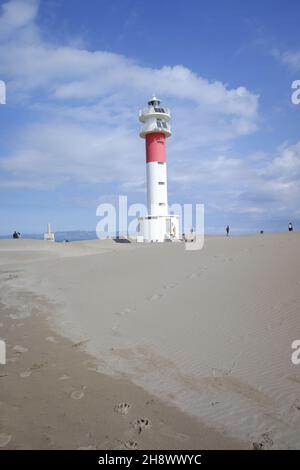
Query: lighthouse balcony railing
(165, 129)
(155, 111)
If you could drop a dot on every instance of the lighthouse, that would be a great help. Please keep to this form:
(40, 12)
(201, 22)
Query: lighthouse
(158, 225)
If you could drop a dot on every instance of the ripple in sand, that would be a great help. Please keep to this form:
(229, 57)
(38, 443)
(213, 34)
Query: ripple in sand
(20, 349)
(4, 439)
(64, 377)
(122, 408)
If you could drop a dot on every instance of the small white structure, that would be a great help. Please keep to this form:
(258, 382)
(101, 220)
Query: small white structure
(158, 225)
(49, 236)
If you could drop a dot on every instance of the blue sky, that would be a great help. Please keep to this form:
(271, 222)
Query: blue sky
(77, 73)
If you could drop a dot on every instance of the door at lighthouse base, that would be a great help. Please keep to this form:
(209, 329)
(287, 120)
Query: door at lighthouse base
(168, 226)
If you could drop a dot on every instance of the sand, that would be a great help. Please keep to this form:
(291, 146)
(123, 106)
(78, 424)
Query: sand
(196, 343)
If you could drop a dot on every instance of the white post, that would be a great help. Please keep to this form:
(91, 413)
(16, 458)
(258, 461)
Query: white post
(49, 236)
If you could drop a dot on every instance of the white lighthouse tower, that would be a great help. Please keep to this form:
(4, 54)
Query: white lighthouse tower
(158, 225)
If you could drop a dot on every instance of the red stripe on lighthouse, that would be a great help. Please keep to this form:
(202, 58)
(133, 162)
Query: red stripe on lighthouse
(156, 147)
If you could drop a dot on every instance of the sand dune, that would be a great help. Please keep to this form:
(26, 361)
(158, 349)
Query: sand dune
(207, 331)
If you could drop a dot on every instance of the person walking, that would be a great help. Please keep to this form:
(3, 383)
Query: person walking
(290, 227)
(227, 230)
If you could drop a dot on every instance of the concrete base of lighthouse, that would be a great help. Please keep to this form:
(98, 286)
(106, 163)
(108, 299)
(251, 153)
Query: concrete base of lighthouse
(159, 228)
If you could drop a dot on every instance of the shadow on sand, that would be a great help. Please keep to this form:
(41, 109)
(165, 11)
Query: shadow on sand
(121, 240)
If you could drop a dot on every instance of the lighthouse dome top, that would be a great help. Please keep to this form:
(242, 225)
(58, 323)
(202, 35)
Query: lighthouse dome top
(155, 117)
(154, 101)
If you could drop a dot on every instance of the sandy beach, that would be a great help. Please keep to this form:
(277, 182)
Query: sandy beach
(115, 345)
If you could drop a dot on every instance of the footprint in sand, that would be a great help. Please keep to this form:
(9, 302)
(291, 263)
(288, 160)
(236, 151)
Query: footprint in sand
(51, 339)
(155, 297)
(131, 445)
(296, 404)
(150, 402)
(19, 316)
(122, 408)
(115, 331)
(77, 394)
(125, 311)
(264, 443)
(34, 367)
(12, 359)
(192, 276)
(20, 349)
(4, 439)
(26, 373)
(170, 286)
(64, 377)
(93, 369)
(142, 424)
(80, 343)
(37, 366)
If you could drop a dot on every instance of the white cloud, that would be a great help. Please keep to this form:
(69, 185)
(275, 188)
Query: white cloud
(54, 154)
(16, 14)
(255, 184)
(291, 58)
(86, 127)
(71, 73)
(88, 102)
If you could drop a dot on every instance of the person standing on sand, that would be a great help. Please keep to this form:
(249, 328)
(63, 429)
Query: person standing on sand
(290, 227)
(227, 230)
